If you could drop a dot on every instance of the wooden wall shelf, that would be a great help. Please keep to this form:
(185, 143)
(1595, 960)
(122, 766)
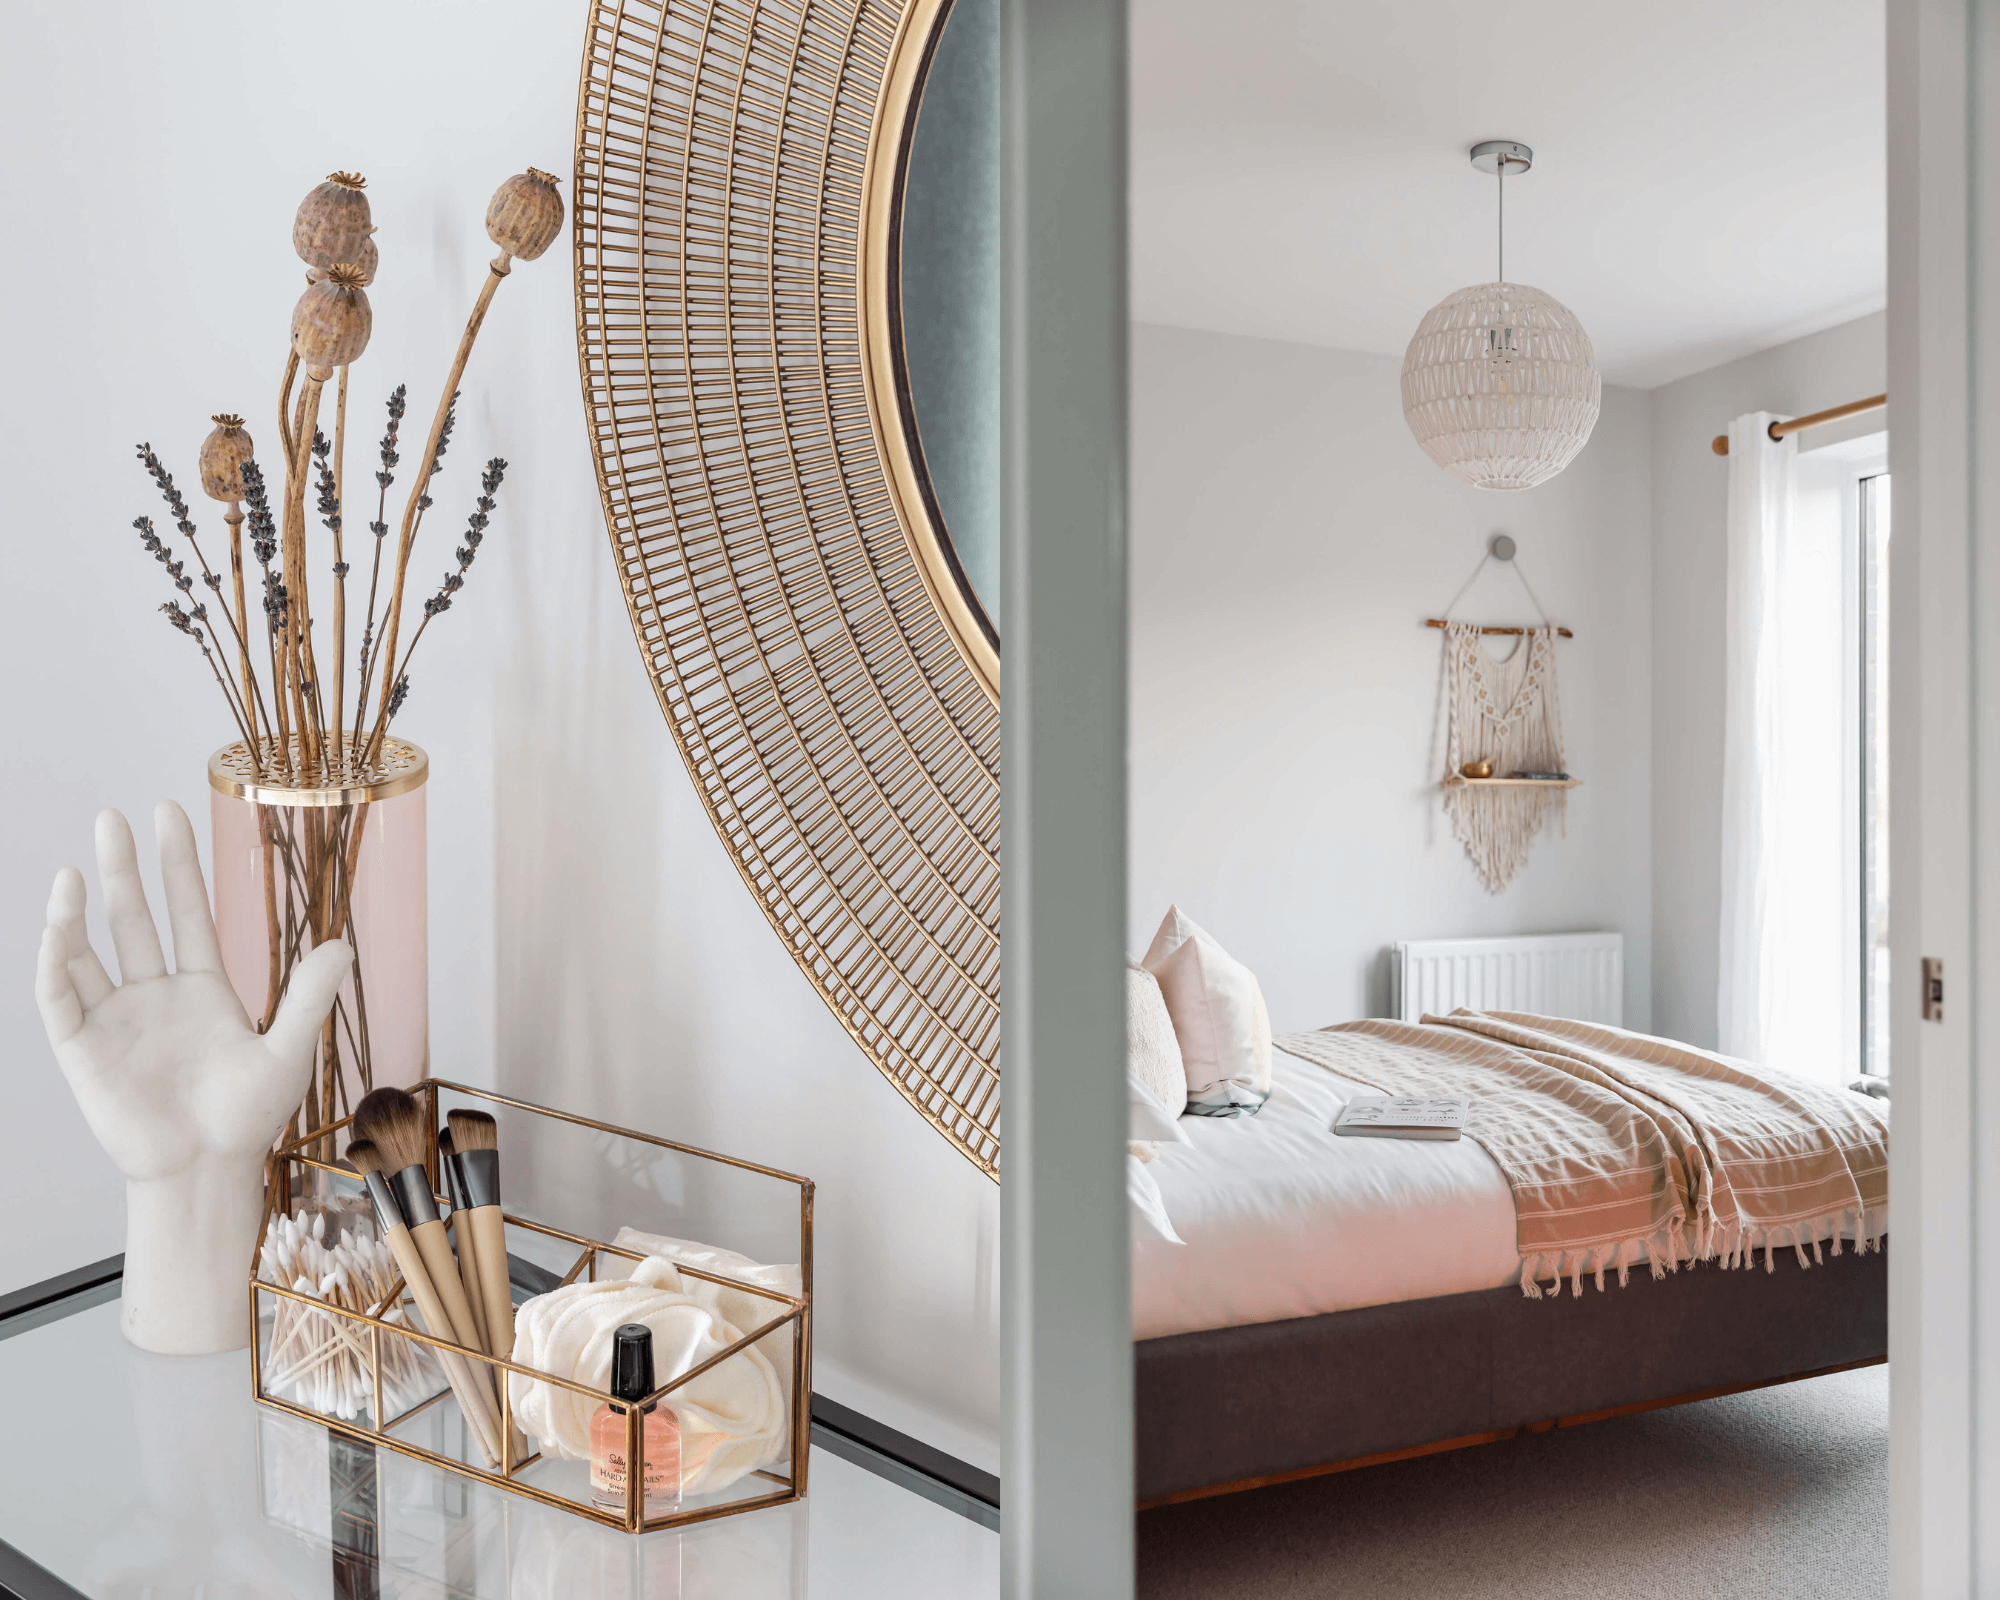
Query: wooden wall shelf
(1508, 783)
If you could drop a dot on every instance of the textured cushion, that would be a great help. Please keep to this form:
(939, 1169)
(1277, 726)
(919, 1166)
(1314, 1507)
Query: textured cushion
(1152, 1053)
(1218, 1015)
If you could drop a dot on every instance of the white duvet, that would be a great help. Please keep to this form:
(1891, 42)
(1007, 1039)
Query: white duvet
(1282, 1218)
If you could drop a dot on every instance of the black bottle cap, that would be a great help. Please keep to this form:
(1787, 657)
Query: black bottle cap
(632, 1361)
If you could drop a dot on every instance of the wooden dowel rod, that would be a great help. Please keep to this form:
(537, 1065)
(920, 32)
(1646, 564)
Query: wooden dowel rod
(1439, 622)
(1779, 430)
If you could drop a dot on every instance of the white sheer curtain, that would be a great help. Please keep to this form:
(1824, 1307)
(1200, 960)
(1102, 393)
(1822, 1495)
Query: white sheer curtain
(1779, 996)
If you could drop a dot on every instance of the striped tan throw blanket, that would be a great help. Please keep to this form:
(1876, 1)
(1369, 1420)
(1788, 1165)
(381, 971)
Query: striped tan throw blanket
(1623, 1149)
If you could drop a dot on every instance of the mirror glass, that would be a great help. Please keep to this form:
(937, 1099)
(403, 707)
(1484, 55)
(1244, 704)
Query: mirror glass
(949, 289)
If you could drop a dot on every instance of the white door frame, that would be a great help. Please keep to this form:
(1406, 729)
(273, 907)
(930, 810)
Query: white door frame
(1066, 1314)
(1944, 867)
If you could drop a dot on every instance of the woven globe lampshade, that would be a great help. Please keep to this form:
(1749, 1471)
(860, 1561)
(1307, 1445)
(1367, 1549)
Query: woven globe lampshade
(1500, 386)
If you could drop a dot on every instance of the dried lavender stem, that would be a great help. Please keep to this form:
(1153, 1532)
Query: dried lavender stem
(498, 270)
(339, 719)
(378, 529)
(242, 644)
(375, 660)
(184, 522)
(191, 626)
(223, 683)
(245, 718)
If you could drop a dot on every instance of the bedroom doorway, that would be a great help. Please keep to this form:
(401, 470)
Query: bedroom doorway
(1307, 196)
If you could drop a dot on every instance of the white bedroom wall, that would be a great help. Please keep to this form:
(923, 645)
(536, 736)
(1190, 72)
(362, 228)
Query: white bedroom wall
(1288, 539)
(591, 944)
(1690, 507)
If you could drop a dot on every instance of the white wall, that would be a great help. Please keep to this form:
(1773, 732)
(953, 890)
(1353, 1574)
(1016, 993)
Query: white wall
(1690, 504)
(1288, 539)
(591, 945)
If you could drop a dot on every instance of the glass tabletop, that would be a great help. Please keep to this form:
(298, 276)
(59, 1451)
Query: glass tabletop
(127, 1474)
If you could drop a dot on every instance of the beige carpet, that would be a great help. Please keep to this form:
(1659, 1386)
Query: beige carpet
(1780, 1494)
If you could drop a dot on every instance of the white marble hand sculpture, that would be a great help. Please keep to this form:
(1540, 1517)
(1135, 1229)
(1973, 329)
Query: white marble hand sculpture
(184, 1095)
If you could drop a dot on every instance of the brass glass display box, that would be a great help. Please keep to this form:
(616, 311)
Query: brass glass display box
(358, 1363)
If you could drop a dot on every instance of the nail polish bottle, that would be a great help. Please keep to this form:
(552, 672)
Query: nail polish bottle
(632, 1380)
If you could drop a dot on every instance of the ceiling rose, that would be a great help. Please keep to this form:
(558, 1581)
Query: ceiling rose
(1500, 384)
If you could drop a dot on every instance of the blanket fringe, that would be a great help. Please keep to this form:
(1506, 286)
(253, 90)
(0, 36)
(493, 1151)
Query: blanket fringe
(1730, 1247)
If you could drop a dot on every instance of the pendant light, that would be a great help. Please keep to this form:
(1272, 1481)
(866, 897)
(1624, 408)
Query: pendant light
(1500, 383)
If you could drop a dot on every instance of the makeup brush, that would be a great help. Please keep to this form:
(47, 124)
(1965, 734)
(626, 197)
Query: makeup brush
(363, 1156)
(477, 1137)
(392, 1121)
(461, 1236)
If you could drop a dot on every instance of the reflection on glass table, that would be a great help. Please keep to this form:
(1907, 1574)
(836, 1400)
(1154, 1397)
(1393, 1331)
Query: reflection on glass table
(130, 1474)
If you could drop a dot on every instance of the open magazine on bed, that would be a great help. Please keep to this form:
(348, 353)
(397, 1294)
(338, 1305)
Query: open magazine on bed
(1394, 1116)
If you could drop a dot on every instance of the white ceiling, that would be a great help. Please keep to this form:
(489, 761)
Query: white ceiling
(1709, 174)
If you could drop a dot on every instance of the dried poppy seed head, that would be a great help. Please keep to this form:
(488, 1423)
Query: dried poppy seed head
(223, 453)
(525, 216)
(331, 323)
(333, 221)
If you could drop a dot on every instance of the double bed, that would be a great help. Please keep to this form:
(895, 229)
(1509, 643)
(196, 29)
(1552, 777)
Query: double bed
(1337, 1302)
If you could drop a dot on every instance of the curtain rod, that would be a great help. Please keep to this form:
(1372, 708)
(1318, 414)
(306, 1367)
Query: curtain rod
(1778, 430)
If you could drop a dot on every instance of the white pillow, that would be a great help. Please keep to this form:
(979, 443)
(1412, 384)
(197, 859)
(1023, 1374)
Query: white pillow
(1219, 1019)
(1153, 1070)
(1149, 1211)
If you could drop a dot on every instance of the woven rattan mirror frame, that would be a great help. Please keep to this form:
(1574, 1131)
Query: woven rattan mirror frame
(738, 165)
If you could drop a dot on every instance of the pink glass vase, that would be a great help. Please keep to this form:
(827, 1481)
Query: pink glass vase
(302, 854)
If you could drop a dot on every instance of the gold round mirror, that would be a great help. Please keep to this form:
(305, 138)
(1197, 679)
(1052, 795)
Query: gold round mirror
(930, 286)
(782, 503)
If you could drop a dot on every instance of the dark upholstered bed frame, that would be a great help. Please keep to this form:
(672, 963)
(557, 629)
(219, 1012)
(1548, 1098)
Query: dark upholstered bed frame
(1235, 1408)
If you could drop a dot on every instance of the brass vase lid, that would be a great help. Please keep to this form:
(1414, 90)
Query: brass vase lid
(288, 780)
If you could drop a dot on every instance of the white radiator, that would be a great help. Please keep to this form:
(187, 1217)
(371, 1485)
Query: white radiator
(1580, 975)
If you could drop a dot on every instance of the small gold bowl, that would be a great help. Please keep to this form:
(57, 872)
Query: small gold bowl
(1476, 769)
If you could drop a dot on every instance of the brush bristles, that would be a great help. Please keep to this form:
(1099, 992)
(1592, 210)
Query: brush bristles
(474, 1130)
(394, 1121)
(363, 1157)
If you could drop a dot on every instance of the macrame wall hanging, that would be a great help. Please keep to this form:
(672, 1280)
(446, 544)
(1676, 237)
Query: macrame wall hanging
(1504, 767)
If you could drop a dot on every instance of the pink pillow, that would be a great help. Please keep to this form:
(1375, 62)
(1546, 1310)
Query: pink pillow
(1219, 1018)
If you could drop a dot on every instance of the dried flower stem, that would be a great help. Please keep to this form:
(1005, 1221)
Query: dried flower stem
(285, 402)
(339, 573)
(498, 270)
(311, 722)
(234, 518)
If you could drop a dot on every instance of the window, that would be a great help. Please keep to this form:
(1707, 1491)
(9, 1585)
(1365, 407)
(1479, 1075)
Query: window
(1873, 742)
